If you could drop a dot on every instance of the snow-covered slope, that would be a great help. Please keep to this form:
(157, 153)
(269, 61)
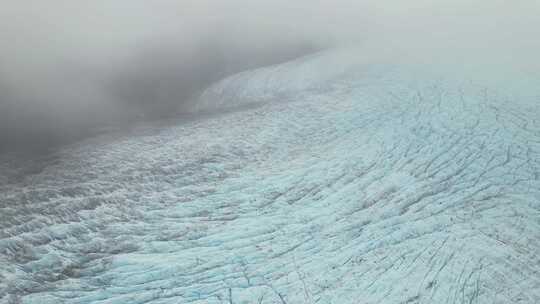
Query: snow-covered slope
(349, 183)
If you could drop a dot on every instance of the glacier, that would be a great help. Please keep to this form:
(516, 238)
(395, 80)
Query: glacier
(326, 179)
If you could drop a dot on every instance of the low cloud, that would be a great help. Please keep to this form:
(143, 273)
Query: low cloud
(68, 67)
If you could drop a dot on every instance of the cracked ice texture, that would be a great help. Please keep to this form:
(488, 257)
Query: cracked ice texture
(348, 183)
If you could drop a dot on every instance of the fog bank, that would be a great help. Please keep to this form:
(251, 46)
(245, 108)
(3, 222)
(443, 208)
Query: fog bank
(69, 67)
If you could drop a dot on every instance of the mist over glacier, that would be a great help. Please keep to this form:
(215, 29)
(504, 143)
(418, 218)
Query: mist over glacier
(269, 152)
(71, 68)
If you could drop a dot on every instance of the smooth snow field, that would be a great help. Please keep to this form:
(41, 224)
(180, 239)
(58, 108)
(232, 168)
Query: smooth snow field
(326, 181)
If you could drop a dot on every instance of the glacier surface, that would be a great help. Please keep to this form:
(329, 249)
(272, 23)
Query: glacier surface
(329, 180)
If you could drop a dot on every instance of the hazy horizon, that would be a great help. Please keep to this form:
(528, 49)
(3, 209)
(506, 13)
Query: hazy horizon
(70, 66)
